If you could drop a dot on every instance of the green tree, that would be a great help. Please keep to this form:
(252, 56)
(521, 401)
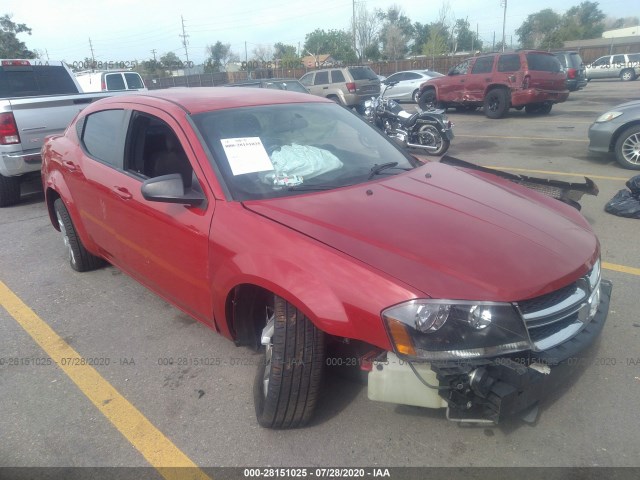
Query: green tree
(537, 26)
(436, 43)
(396, 32)
(10, 46)
(336, 43)
(419, 39)
(170, 61)
(465, 38)
(219, 56)
(584, 21)
(286, 55)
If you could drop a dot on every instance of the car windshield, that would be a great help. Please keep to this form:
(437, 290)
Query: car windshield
(362, 73)
(543, 62)
(279, 150)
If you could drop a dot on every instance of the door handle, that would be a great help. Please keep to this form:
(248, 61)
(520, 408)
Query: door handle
(69, 165)
(122, 193)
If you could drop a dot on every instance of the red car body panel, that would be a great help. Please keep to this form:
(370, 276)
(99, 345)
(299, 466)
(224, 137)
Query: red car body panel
(340, 256)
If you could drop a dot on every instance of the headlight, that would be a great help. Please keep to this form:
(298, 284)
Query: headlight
(450, 329)
(607, 117)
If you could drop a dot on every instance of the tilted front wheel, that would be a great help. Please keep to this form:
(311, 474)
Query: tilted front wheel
(427, 100)
(628, 148)
(80, 258)
(496, 103)
(288, 381)
(430, 136)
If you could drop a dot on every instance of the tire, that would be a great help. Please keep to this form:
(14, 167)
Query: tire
(80, 259)
(415, 96)
(9, 191)
(427, 100)
(288, 381)
(429, 135)
(627, 75)
(628, 148)
(335, 99)
(496, 103)
(538, 108)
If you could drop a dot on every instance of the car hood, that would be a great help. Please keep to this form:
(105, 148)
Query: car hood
(635, 104)
(448, 232)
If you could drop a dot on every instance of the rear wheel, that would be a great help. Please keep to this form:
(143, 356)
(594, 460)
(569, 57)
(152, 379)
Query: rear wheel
(496, 103)
(80, 259)
(415, 96)
(628, 148)
(288, 381)
(9, 191)
(430, 136)
(627, 75)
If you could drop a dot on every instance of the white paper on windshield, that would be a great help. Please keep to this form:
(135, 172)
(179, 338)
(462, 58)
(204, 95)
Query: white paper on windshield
(246, 155)
(404, 114)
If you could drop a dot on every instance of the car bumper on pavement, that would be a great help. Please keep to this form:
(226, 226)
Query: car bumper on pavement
(600, 135)
(534, 95)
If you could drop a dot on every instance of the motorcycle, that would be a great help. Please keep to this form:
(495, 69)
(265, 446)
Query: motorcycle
(427, 130)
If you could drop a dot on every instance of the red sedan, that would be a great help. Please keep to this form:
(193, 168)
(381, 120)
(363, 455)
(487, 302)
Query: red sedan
(287, 224)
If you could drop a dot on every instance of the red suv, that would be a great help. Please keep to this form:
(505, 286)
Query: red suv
(528, 79)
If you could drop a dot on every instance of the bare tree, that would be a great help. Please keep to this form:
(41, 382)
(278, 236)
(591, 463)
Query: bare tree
(395, 43)
(263, 53)
(367, 26)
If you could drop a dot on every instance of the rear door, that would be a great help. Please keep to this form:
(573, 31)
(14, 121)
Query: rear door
(545, 72)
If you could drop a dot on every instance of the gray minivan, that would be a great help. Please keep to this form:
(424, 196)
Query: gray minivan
(348, 86)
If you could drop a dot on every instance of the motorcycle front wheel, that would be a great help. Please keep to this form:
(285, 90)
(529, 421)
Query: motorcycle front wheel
(430, 136)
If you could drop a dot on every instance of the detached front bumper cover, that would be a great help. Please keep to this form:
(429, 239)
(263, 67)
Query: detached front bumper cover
(488, 390)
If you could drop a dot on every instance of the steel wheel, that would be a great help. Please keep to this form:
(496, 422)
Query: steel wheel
(80, 258)
(65, 239)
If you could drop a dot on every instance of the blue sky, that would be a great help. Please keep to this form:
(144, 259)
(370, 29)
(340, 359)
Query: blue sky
(126, 30)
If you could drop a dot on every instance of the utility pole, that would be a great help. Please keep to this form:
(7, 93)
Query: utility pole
(504, 22)
(354, 27)
(93, 58)
(154, 54)
(184, 40)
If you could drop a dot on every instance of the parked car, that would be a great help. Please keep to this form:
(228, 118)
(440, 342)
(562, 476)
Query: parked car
(291, 226)
(574, 67)
(347, 86)
(618, 131)
(529, 79)
(37, 98)
(408, 86)
(110, 81)
(623, 66)
(290, 84)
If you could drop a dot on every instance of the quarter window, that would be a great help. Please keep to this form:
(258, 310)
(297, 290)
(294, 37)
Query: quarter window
(103, 136)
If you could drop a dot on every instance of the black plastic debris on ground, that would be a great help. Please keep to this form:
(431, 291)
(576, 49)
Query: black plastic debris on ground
(626, 203)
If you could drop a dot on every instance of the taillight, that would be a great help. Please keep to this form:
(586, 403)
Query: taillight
(525, 82)
(103, 85)
(351, 87)
(571, 73)
(8, 129)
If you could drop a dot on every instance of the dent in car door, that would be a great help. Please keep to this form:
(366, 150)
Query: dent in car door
(164, 245)
(452, 89)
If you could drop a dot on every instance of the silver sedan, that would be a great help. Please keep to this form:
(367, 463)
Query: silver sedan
(618, 131)
(408, 85)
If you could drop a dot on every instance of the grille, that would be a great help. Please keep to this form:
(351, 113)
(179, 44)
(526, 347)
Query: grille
(555, 317)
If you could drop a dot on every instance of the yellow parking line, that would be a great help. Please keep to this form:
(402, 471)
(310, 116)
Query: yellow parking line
(564, 174)
(502, 137)
(157, 449)
(621, 268)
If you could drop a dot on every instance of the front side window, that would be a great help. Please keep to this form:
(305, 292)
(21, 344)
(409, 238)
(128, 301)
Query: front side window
(280, 150)
(461, 68)
(601, 62)
(103, 136)
(322, 78)
(307, 80)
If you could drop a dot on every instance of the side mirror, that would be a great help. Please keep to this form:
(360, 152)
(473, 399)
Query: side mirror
(170, 189)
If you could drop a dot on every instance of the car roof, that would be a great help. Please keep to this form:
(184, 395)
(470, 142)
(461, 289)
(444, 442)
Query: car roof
(205, 99)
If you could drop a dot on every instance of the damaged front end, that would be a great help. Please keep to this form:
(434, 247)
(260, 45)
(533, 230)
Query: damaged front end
(485, 361)
(567, 192)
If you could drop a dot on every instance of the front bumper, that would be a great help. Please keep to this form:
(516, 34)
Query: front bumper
(601, 135)
(488, 390)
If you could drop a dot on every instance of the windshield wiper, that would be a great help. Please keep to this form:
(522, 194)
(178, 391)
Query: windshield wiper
(378, 169)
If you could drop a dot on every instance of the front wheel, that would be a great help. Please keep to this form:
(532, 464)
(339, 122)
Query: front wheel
(288, 380)
(427, 100)
(430, 136)
(628, 148)
(496, 103)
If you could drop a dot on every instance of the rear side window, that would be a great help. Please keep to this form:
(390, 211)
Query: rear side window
(322, 78)
(337, 76)
(483, 65)
(543, 63)
(115, 81)
(103, 136)
(509, 63)
(362, 73)
(28, 81)
(133, 80)
(634, 57)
